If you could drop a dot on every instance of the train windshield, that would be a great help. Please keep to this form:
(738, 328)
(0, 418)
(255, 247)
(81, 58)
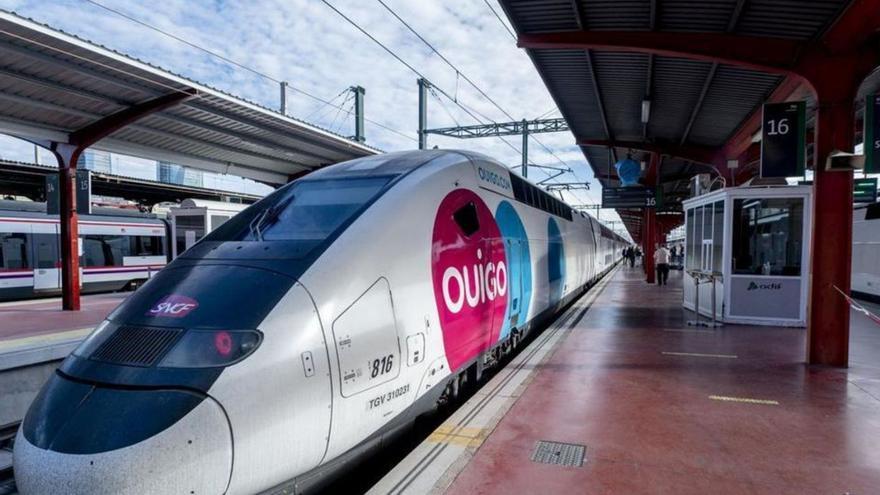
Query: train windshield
(308, 211)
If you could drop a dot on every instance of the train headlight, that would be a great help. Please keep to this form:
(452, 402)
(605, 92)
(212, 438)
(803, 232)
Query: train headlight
(211, 348)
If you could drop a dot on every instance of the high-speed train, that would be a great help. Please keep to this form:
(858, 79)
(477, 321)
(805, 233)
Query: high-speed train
(292, 340)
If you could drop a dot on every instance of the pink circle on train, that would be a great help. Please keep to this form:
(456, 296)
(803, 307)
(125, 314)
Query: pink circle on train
(470, 276)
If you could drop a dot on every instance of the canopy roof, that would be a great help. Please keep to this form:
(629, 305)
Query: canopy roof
(53, 84)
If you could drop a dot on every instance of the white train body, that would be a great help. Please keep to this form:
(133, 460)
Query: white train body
(442, 264)
(866, 253)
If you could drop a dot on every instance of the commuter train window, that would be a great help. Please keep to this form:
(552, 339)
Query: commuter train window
(13, 251)
(119, 246)
(768, 236)
(218, 220)
(96, 252)
(146, 245)
(466, 218)
(306, 211)
(46, 249)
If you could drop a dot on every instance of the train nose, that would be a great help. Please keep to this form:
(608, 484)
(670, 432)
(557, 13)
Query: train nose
(85, 439)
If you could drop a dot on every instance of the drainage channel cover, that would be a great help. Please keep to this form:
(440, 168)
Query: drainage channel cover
(560, 454)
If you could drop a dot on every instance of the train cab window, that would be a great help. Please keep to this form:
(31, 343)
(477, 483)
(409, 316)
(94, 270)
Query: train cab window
(13, 251)
(308, 211)
(466, 218)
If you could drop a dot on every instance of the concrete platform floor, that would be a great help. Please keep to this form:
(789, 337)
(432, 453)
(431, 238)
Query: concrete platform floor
(38, 320)
(663, 408)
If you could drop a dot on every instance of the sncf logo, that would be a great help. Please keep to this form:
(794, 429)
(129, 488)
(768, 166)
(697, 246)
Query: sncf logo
(482, 282)
(173, 306)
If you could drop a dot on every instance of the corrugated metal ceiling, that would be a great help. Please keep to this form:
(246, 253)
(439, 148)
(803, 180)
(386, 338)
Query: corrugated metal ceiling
(674, 85)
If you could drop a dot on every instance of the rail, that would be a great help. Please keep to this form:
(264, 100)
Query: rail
(7, 438)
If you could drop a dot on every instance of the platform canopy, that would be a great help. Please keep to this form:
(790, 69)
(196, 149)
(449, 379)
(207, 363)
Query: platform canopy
(53, 84)
(614, 70)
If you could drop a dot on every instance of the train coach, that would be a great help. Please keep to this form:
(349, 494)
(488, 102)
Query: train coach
(292, 340)
(120, 249)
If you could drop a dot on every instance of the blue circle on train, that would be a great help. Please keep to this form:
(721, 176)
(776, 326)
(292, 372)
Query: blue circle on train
(555, 261)
(519, 267)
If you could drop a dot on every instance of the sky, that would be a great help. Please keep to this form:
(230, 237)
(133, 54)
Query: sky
(307, 44)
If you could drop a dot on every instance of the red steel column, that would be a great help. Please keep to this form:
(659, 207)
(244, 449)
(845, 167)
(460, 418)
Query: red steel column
(831, 244)
(649, 242)
(67, 157)
(650, 219)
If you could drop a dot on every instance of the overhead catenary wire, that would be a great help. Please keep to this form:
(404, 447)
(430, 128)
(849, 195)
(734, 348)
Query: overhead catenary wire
(500, 20)
(240, 65)
(458, 71)
(391, 52)
(324, 106)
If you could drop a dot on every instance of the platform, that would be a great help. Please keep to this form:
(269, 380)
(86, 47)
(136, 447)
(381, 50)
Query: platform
(661, 408)
(38, 330)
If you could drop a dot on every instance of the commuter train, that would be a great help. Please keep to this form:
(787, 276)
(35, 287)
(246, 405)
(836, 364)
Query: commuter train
(120, 249)
(293, 340)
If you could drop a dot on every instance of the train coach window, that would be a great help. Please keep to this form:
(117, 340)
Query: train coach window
(13, 251)
(466, 218)
(146, 245)
(96, 251)
(46, 250)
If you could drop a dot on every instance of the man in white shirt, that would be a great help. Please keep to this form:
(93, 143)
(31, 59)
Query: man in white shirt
(661, 260)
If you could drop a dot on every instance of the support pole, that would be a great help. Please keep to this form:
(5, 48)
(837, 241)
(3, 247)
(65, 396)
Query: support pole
(359, 93)
(525, 148)
(648, 244)
(650, 220)
(67, 156)
(831, 244)
(423, 112)
(283, 105)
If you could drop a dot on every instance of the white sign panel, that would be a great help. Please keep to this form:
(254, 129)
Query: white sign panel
(765, 297)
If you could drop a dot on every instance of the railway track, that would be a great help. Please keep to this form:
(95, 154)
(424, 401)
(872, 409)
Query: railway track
(7, 438)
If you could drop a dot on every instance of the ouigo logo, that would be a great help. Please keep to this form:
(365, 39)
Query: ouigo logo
(173, 306)
(483, 281)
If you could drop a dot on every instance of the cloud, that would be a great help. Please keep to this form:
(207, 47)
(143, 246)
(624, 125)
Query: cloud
(307, 44)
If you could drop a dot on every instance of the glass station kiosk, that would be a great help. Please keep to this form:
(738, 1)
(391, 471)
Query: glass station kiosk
(752, 245)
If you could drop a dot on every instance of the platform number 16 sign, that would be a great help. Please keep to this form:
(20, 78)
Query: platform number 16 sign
(783, 138)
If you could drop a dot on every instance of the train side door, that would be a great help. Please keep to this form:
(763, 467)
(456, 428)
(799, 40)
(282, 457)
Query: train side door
(515, 284)
(46, 256)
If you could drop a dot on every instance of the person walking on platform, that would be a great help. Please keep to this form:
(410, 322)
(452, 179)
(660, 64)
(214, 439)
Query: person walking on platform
(661, 260)
(630, 254)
